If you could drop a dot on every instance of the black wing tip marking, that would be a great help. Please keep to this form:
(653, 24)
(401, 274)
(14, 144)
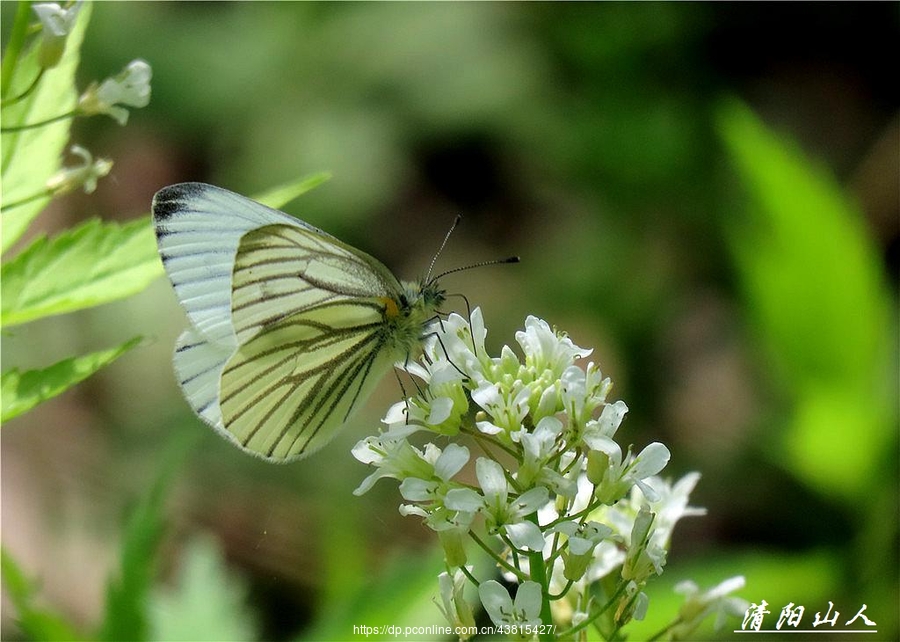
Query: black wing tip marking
(168, 200)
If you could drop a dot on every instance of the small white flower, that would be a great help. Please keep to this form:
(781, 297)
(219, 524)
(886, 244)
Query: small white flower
(507, 514)
(698, 605)
(461, 346)
(446, 465)
(392, 458)
(633, 603)
(672, 503)
(453, 603)
(131, 87)
(545, 349)
(615, 475)
(583, 391)
(506, 407)
(84, 175)
(583, 539)
(599, 433)
(56, 23)
(538, 449)
(644, 557)
(524, 612)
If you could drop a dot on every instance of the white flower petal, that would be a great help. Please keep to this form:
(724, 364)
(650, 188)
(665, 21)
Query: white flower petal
(525, 535)
(491, 478)
(531, 500)
(611, 417)
(580, 546)
(496, 601)
(463, 499)
(368, 450)
(488, 396)
(650, 461)
(488, 428)
(440, 411)
(414, 489)
(451, 461)
(529, 600)
(411, 509)
(368, 482)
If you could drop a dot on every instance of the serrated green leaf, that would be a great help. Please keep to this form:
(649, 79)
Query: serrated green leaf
(31, 156)
(88, 265)
(96, 263)
(815, 292)
(38, 623)
(207, 602)
(22, 391)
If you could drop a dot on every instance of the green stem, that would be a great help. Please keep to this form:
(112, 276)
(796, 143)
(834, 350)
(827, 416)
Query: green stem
(562, 593)
(569, 633)
(24, 94)
(500, 561)
(539, 574)
(49, 121)
(27, 199)
(665, 630)
(469, 575)
(14, 47)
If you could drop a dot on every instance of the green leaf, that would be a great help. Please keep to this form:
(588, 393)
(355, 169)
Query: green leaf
(813, 284)
(30, 157)
(207, 602)
(402, 595)
(35, 622)
(22, 391)
(88, 265)
(125, 615)
(96, 263)
(278, 197)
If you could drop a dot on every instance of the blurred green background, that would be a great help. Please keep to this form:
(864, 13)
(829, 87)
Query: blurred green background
(706, 194)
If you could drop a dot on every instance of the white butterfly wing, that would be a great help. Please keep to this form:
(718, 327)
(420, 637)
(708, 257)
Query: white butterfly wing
(198, 367)
(281, 270)
(288, 322)
(198, 229)
(309, 316)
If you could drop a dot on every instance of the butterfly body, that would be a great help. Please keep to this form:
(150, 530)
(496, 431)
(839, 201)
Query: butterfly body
(291, 328)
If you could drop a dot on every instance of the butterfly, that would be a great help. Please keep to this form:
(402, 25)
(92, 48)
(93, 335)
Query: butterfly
(290, 328)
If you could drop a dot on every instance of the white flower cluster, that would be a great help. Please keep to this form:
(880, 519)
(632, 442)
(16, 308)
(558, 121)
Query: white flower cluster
(552, 485)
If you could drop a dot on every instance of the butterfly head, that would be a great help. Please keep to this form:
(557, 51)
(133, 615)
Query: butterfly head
(418, 300)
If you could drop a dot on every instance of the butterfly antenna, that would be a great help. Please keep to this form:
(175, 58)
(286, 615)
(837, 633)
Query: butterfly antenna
(509, 259)
(441, 248)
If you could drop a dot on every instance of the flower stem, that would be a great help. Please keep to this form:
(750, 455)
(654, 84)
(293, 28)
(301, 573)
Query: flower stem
(14, 47)
(27, 199)
(671, 625)
(24, 94)
(562, 593)
(49, 121)
(539, 575)
(500, 561)
(469, 575)
(569, 633)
